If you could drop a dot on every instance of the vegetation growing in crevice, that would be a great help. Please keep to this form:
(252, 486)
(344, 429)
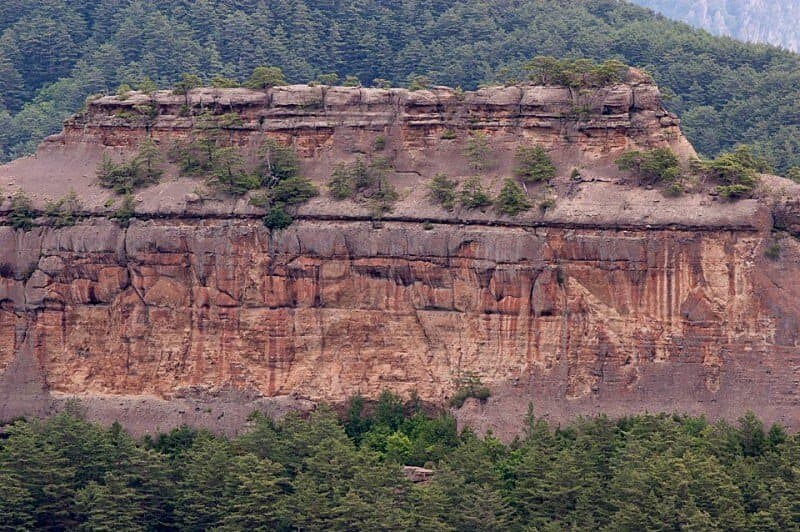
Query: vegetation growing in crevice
(144, 168)
(737, 171)
(511, 199)
(478, 151)
(276, 169)
(532, 164)
(63, 212)
(656, 166)
(773, 251)
(364, 182)
(473, 195)
(277, 162)
(22, 212)
(125, 212)
(442, 190)
(469, 384)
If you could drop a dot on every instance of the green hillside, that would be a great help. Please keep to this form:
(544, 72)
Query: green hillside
(54, 53)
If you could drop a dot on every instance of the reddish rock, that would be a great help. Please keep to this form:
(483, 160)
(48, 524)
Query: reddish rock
(617, 300)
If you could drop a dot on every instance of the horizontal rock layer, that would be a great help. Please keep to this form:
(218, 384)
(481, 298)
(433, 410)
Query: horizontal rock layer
(616, 299)
(572, 320)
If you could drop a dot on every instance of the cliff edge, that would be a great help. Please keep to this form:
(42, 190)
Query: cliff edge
(615, 298)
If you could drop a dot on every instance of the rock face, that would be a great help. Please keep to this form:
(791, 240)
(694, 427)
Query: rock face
(619, 300)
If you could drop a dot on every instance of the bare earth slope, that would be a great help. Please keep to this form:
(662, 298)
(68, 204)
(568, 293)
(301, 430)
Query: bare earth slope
(617, 300)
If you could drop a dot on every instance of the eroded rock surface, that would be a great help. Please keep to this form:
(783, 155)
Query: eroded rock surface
(572, 320)
(617, 300)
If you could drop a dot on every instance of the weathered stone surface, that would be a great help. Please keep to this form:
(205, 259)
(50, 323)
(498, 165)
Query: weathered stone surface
(573, 319)
(617, 300)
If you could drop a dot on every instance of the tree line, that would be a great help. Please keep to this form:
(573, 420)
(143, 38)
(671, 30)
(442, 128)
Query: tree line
(343, 471)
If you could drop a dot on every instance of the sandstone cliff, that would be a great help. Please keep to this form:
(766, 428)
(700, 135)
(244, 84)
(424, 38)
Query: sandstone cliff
(618, 299)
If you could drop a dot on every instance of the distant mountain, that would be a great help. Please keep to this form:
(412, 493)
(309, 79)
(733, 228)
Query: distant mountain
(767, 21)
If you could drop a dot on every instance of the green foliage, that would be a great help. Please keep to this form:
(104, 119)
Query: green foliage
(187, 83)
(647, 472)
(418, 83)
(147, 86)
(277, 218)
(533, 165)
(126, 211)
(737, 171)
(473, 195)
(278, 162)
(380, 83)
(63, 212)
(512, 199)
(143, 169)
(477, 151)
(264, 77)
(380, 143)
(293, 191)
(229, 172)
(793, 173)
(660, 165)
(469, 385)
(60, 52)
(22, 213)
(221, 82)
(229, 120)
(547, 204)
(360, 181)
(442, 190)
(448, 134)
(331, 78)
(547, 70)
(351, 81)
(124, 91)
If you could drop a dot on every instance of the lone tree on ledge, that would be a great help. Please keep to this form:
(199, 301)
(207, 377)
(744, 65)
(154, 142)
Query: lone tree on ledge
(264, 77)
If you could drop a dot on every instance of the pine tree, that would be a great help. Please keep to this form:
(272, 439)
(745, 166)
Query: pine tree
(46, 474)
(109, 507)
(258, 495)
(16, 503)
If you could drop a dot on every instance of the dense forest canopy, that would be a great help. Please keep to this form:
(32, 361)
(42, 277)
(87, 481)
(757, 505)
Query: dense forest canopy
(767, 21)
(54, 53)
(327, 473)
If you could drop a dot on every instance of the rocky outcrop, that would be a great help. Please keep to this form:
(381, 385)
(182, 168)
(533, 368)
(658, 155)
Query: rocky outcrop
(617, 300)
(572, 320)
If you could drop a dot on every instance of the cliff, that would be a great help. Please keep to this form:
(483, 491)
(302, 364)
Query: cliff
(618, 299)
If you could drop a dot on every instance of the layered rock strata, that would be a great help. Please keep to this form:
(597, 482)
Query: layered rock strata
(619, 300)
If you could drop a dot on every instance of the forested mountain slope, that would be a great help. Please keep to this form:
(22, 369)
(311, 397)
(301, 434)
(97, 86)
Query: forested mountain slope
(55, 53)
(768, 21)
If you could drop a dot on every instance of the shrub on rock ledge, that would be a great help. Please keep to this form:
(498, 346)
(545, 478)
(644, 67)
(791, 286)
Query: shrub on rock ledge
(472, 194)
(533, 165)
(737, 171)
(22, 213)
(660, 165)
(512, 199)
(442, 190)
(145, 168)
